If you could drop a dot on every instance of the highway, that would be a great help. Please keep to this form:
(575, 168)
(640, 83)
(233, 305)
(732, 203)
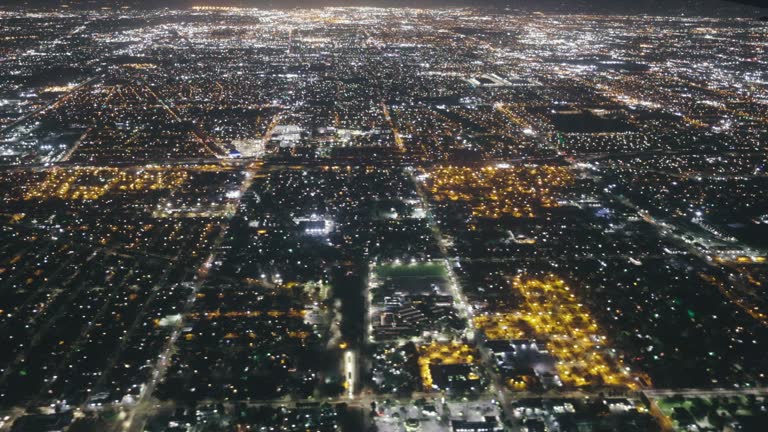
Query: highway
(45, 108)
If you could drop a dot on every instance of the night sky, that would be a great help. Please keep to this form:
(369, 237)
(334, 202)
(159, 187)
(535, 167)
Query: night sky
(692, 7)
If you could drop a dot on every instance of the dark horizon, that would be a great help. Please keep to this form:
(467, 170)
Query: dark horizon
(651, 7)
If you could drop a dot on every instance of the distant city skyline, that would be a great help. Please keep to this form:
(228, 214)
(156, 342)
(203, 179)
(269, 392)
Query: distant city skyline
(610, 6)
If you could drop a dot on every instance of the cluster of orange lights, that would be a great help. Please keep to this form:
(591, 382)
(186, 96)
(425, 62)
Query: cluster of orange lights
(93, 183)
(444, 353)
(551, 311)
(494, 192)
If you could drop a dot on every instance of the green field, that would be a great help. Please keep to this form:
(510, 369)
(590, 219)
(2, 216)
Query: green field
(419, 270)
(711, 413)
